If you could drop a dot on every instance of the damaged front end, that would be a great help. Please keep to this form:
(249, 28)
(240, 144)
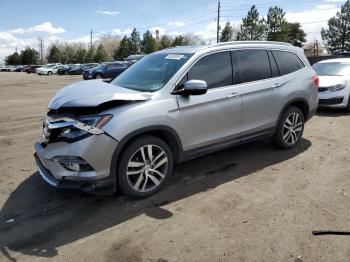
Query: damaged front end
(74, 150)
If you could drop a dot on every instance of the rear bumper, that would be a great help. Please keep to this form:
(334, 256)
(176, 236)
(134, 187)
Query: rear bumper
(96, 150)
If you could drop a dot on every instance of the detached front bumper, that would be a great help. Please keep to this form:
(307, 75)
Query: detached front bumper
(95, 150)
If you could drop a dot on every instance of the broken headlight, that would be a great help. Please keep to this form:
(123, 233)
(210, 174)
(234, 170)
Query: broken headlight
(73, 132)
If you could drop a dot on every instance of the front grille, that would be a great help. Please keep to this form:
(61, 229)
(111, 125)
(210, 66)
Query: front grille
(332, 101)
(322, 89)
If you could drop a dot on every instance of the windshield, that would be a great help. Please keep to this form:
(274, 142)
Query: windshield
(332, 69)
(152, 72)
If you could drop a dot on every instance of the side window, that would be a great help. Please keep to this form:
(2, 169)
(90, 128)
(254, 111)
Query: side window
(215, 69)
(287, 62)
(254, 65)
(274, 69)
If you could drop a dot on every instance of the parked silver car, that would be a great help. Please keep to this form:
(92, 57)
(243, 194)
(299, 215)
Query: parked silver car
(334, 90)
(171, 106)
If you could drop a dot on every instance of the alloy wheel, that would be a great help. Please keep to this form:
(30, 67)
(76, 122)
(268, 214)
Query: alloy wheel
(292, 128)
(147, 168)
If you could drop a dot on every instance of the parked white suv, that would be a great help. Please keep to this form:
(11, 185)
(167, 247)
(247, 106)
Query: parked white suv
(47, 69)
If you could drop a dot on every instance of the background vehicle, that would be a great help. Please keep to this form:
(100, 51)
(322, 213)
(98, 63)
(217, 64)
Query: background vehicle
(171, 106)
(65, 68)
(50, 70)
(105, 70)
(46, 68)
(19, 68)
(80, 69)
(334, 90)
(131, 59)
(31, 69)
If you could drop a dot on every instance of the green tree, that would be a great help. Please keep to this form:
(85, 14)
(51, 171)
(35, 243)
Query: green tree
(276, 25)
(81, 55)
(295, 34)
(13, 59)
(165, 42)
(101, 54)
(227, 33)
(337, 36)
(180, 40)
(29, 56)
(252, 27)
(149, 44)
(55, 55)
(123, 49)
(135, 42)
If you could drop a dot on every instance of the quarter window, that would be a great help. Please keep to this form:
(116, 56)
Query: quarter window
(287, 62)
(254, 65)
(215, 69)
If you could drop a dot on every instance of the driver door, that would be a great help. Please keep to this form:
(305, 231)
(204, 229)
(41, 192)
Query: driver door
(214, 117)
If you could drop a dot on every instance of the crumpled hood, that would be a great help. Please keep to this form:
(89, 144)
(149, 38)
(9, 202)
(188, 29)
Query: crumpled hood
(93, 93)
(326, 81)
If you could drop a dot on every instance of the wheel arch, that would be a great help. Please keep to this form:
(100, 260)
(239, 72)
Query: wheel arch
(165, 133)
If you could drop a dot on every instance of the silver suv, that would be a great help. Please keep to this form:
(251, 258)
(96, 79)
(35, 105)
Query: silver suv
(171, 106)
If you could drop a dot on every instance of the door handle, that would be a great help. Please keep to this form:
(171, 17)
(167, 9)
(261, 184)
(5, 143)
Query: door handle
(233, 95)
(277, 85)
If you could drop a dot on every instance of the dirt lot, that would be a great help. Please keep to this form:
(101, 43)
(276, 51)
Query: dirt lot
(249, 203)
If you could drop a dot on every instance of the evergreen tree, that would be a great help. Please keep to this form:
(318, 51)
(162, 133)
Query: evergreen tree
(180, 41)
(337, 36)
(252, 27)
(123, 49)
(276, 25)
(101, 54)
(149, 44)
(81, 56)
(13, 59)
(165, 42)
(295, 35)
(227, 33)
(135, 42)
(29, 56)
(55, 55)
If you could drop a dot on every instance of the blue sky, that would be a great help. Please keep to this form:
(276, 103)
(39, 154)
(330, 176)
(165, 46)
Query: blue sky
(23, 21)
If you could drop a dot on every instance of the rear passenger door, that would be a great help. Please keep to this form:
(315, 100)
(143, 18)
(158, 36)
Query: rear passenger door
(214, 117)
(262, 91)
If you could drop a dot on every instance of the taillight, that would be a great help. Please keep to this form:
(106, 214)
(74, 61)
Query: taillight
(316, 80)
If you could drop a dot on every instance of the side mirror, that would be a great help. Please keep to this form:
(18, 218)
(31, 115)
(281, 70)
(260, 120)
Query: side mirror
(192, 88)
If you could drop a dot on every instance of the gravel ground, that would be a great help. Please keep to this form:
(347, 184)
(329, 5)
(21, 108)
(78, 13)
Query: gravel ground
(248, 203)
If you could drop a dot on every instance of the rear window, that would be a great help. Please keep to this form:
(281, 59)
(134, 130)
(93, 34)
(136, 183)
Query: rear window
(287, 62)
(254, 65)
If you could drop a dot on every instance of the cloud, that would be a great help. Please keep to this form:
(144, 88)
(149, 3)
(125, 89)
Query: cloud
(335, 1)
(106, 12)
(46, 27)
(177, 24)
(118, 31)
(312, 21)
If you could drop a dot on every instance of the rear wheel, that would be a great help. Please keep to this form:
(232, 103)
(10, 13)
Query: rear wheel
(144, 167)
(49, 73)
(290, 128)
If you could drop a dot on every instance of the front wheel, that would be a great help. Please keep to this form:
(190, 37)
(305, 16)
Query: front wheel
(98, 76)
(144, 167)
(290, 128)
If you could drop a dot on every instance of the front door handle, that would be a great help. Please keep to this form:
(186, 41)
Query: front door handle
(233, 95)
(277, 85)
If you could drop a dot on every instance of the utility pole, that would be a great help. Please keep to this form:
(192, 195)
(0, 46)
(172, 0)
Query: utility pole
(91, 46)
(317, 48)
(41, 47)
(218, 24)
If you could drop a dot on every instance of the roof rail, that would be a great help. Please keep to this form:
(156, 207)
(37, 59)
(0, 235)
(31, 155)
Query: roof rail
(252, 42)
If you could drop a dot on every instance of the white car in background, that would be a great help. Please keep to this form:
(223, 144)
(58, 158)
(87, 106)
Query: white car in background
(47, 69)
(334, 85)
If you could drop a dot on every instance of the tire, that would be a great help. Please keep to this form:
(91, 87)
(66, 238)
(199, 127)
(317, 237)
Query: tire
(98, 76)
(348, 107)
(49, 73)
(290, 128)
(138, 176)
